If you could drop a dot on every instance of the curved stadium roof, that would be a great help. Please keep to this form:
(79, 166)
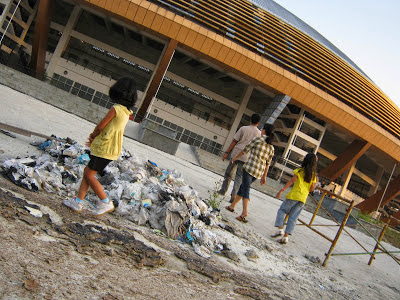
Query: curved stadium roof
(277, 10)
(304, 52)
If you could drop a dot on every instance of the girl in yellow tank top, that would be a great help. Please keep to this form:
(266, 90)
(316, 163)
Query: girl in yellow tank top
(106, 144)
(304, 180)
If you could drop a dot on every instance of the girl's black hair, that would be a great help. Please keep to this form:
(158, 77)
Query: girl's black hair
(309, 166)
(124, 92)
(269, 129)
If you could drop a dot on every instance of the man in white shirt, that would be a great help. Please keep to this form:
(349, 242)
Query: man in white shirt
(242, 137)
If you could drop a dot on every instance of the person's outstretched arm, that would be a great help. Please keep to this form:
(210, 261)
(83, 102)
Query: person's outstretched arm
(103, 123)
(246, 149)
(287, 185)
(264, 177)
(312, 187)
(233, 144)
(237, 156)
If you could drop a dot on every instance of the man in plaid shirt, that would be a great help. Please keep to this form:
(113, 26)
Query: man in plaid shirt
(261, 153)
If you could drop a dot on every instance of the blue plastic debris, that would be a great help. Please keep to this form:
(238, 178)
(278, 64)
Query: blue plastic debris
(45, 145)
(188, 236)
(163, 176)
(153, 163)
(83, 159)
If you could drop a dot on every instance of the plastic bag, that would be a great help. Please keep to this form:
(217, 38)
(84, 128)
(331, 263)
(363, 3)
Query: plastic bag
(115, 193)
(176, 215)
(202, 206)
(143, 216)
(175, 178)
(127, 209)
(194, 209)
(157, 217)
(132, 191)
(71, 151)
(185, 191)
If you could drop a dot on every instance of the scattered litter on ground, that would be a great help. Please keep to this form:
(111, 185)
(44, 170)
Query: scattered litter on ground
(141, 191)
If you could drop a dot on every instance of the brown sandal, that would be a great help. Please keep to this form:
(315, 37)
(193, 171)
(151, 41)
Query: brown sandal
(241, 219)
(230, 209)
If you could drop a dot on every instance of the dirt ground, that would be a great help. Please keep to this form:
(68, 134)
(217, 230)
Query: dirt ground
(64, 255)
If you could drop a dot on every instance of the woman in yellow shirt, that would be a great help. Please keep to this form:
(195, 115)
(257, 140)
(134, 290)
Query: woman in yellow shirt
(304, 179)
(106, 144)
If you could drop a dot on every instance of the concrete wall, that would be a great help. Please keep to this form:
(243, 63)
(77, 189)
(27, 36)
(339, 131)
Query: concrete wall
(51, 95)
(158, 136)
(189, 121)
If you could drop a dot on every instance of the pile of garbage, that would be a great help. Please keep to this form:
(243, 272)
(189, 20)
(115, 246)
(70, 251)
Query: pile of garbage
(141, 191)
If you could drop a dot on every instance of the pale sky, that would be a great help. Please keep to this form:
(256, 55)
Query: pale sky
(367, 31)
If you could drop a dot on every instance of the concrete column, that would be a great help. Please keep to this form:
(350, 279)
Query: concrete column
(348, 175)
(238, 116)
(41, 35)
(64, 40)
(156, 80)
(374, 188)
(293, 135)
(320, 140)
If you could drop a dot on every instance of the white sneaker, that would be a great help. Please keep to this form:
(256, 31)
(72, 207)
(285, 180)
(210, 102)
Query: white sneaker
(73, 204)
(103, 208)
(278, 233)
(283, 240)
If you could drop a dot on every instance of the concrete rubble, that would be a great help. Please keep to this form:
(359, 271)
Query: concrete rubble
(142, 192)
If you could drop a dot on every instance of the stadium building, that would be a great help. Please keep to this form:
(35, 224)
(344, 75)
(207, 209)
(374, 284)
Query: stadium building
(203, 67)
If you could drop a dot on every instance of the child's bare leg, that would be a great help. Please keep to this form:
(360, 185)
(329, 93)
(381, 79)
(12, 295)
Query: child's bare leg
(89, 180)
(104, 205)
(83, 189)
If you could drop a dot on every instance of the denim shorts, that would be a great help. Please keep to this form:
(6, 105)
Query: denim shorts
(244, 190)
